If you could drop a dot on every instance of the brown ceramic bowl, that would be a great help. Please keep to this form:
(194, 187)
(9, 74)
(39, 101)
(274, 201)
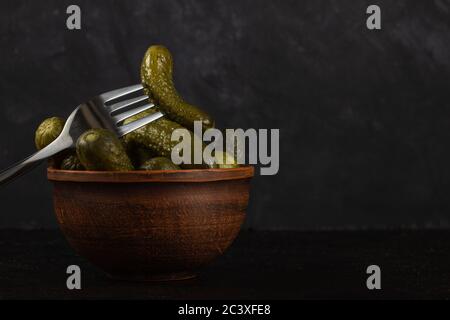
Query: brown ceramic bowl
(151, 225)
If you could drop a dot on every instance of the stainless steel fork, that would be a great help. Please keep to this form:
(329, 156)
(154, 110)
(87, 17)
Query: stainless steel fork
(107, 110)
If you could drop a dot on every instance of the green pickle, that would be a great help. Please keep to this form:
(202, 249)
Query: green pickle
(159, 163)
(156, 75)
(71, 162)
(156, 137)
(100, 149)
(48, 131)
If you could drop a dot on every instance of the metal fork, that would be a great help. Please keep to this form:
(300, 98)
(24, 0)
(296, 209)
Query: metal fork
(107, 110)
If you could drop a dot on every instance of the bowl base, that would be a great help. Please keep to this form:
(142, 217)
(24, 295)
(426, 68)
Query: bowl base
(162, 277)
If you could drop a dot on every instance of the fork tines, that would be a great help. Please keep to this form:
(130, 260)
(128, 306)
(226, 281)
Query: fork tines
(132, 106)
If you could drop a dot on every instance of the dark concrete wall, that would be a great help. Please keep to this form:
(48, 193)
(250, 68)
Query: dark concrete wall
(364, 116)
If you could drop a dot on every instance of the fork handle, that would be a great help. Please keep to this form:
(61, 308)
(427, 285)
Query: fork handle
(32, 161)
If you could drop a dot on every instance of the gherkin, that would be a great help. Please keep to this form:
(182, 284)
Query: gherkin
(100, 149)
(71, 162)
(156, 137)
(156, 76)
(48, 131)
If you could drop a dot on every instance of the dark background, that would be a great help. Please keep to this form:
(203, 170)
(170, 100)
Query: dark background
(364, 116)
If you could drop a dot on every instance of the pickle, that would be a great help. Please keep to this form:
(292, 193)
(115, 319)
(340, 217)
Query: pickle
(48, 131)
(156, 76)
(100, 149)
(156, 137)
(159, 163)
(71, 162)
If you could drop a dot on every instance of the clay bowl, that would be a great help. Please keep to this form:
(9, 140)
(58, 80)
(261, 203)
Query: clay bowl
(151, 225)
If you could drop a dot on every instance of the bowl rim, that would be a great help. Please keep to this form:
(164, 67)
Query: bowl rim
(139, 176)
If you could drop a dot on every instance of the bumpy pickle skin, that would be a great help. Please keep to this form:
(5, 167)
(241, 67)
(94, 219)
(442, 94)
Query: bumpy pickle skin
(159, 163)
(156, 76)
(48, 131)
(156, 137)
(101, 150)
(71, 162)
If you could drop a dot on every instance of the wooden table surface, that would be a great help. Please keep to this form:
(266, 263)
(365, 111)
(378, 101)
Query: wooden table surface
(259, 265)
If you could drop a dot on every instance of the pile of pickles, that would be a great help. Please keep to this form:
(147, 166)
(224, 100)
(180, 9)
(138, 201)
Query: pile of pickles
(147, 148)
